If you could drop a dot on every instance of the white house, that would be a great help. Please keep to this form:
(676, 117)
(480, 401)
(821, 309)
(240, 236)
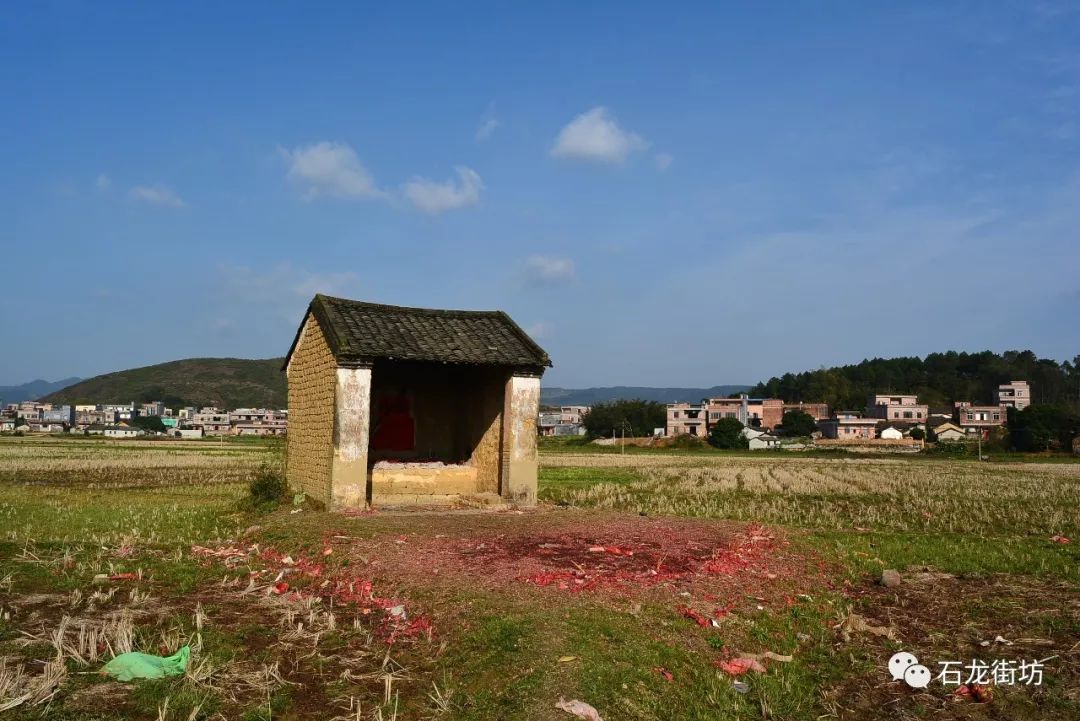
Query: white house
(122, 432)
(749, 432)
(891, 434)
(763, 441)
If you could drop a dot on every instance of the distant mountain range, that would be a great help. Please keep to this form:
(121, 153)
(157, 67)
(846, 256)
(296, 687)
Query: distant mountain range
(33, 390)
(590, 396)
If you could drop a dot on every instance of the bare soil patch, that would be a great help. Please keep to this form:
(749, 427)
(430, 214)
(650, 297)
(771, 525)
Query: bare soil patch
(940, 617)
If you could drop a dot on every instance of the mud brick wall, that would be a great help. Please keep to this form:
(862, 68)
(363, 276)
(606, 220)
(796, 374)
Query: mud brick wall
(312, 384)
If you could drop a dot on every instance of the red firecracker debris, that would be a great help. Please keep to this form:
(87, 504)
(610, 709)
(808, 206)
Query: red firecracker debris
(123, 577)
(281, 587)
(1059, 539)
(665, 673)
(976, 692)
(739, 666)
(698, 618)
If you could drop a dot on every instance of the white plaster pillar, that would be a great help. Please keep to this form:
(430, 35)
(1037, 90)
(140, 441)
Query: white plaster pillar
(519, 472)
(349, 474)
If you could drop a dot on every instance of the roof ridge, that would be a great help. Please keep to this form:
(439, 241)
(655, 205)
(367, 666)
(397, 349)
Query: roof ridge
(410, 308)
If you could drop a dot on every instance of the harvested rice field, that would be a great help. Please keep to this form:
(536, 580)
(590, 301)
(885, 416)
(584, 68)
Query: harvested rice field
(651, 586)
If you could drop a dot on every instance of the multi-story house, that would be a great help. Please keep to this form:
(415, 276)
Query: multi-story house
(154, 408)
(30, 410)
(59, 414)
(686, 418)
(848, 426)
(752, 412)
(124, 411)
(976, 419)
(1016, 394)
(96, 417)
(213, 421)
(572, 415)
(257, 422)
(896, 407)
(817, 411)
(547, 422)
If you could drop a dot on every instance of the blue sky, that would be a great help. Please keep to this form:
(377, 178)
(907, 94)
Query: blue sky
(710, 193)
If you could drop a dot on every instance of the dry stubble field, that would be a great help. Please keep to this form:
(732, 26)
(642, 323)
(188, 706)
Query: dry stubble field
(636, 584)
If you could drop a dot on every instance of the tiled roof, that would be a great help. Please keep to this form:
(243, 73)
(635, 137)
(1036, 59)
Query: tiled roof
(360, 332)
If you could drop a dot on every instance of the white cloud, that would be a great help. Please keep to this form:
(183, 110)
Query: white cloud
(103, 183)
(539, 330)
(595, 136)
(487, 128)
(156, 195)
(542, 270)
(331, 169)
(663, 161)
(434, 197)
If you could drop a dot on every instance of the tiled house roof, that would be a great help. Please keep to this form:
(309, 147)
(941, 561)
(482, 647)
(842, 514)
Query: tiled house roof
(359, 333)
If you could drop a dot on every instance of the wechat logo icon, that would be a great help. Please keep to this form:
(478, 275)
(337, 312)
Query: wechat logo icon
(904, 666)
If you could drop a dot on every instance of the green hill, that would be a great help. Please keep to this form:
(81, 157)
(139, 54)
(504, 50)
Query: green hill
(222, 382)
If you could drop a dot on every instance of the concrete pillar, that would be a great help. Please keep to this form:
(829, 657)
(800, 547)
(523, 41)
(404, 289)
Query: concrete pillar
(519, 471)
(349, 472)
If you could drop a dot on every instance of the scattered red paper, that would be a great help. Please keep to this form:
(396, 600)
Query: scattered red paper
(123, 577)
(1059, 539)
(280, 588)
(739, 666)
(665, 673)
(976, 692)
(694, 615)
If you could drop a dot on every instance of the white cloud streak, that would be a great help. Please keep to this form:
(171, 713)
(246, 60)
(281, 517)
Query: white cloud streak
(160, 195)
(544, 270)
(434, 197)
(487, 128)
(330, 169)
(595, 136)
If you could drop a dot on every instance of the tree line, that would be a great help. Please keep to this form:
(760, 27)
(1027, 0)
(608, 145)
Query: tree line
(938, 379)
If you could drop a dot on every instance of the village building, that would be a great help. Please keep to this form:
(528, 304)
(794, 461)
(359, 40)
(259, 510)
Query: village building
(896, 407)
(976, 419)
(399, 405)
(817, 411)
(1016, 394)
(573, 415)
(122, 432)
(547, 422)
(949, 433)
(687, 419)
(848, 426)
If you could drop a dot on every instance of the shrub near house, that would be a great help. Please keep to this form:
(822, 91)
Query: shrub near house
(728, 433)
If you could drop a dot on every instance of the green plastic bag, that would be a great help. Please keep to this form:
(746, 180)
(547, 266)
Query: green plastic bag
(127, 666)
